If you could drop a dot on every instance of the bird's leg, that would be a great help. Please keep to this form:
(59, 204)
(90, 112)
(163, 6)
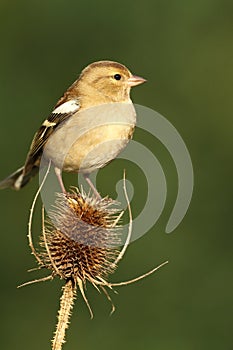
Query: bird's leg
(59, 177)
(88, 180)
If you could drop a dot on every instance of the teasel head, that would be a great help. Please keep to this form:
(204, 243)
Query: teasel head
(80, 242)
(80, 239)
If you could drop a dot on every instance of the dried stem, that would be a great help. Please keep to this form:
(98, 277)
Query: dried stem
(66, 305)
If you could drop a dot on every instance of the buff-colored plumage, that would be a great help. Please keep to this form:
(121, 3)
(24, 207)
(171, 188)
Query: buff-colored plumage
(89, 126)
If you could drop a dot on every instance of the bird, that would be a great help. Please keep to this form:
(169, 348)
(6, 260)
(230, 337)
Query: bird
(88, 127)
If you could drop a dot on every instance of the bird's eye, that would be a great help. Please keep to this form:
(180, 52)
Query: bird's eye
(117, 76)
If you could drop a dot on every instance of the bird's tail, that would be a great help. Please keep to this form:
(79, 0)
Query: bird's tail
(18, 179)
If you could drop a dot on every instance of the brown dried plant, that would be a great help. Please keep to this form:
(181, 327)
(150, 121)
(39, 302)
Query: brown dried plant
(80, 242)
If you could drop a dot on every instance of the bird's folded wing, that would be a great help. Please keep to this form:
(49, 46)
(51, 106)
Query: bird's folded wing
(57, 117)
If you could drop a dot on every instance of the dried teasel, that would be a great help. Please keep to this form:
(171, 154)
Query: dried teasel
(81, 237)
(80, 242)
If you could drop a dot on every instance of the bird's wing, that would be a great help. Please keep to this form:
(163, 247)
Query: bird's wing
(59, 115)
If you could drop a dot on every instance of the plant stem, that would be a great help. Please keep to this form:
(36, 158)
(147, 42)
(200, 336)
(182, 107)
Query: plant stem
(66, 305)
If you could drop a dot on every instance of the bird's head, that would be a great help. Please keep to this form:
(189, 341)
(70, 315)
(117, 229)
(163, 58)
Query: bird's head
(108, 79)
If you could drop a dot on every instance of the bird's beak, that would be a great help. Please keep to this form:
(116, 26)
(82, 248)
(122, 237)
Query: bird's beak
(135, 80)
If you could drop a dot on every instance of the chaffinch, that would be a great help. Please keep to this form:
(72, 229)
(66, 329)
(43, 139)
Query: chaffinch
(88, 127)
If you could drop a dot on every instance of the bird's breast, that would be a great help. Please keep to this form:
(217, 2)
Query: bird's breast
(91, 138)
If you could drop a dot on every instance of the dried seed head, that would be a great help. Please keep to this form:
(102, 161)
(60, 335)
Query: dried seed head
(79, 243)
(80, 240)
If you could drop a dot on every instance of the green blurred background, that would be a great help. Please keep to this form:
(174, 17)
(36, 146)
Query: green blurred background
(185, 50)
